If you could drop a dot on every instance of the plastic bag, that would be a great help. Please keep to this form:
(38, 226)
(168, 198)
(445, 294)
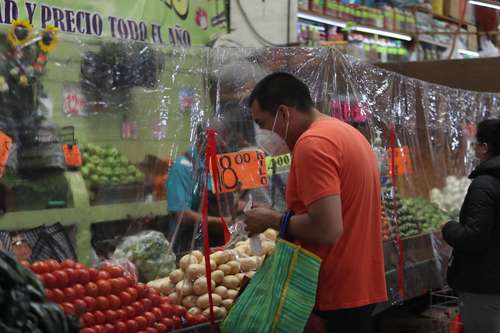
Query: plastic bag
(149, 252)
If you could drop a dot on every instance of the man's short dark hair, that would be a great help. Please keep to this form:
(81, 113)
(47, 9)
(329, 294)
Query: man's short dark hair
(281, 89)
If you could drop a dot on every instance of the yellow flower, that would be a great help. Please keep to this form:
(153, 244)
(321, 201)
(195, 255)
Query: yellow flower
(19, 33)
(23, 80)
(4, 87)
(49, 39)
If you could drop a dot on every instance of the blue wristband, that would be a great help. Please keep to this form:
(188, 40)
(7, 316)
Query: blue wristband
(285, 220)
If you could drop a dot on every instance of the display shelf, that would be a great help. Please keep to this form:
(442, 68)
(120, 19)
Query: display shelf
(318, 18)
(82, 215)
(444, 46)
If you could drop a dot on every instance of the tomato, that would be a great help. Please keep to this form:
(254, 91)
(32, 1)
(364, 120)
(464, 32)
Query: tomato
(160, 328)
(69, 294)
(100, 318)
(80, 306)
(58, 295)
(190, 319)
(147, 304)
(150, 317)
(102, 303)
(104, 287)
(83, 276)
(121, 327)
(111, 316)
(68, 308)
(139, 309)
(93, 274)
(49, 280)
(26, 264)
(109, 328)
(158, 313)
(61, 278)
(79, 265)
(114, 271)
(91, 289)
(118, 285)
(49, 294)
(91, 303)
(166, 310)
(40, 267)
(41, 278)
(114, 302)
(132, 326)
(99, 328)
(177, 322)
(179, 310)
(103, 275)
(79, 290)
(142, 289)
(125, 298)
(150, 330)
(121, 314)
(130, 310)
(130, 280)
(142, 322)
(133, 293)
(89, 319)
(53, 265)
(165, 299)
(88, 330)
(168, 322)
(155, 298)
(200, 318)
(68, 263)
(72, 276)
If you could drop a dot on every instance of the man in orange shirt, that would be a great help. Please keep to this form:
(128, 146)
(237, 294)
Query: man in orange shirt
(334, 191)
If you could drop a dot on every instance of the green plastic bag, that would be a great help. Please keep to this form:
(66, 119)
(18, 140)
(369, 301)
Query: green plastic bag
(281, 295)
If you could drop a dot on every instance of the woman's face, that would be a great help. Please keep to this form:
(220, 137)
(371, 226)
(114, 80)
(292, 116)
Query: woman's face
(481, 150)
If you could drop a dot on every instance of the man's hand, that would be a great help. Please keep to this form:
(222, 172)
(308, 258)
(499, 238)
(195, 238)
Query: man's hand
(260, 219)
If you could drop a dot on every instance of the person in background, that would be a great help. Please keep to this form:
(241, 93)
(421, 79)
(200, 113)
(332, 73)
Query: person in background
(474, 269)
(185, 186)
(334, 190)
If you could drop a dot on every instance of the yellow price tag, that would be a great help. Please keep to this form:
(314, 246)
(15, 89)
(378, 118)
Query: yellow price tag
(278, 164)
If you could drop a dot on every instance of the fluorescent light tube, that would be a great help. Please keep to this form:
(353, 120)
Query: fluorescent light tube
(494, 5)
(383, 33)
(321, 19)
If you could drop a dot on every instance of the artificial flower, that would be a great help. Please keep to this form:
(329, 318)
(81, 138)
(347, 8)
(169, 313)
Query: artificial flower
(19, 33)
(14, 71)
(49, 39)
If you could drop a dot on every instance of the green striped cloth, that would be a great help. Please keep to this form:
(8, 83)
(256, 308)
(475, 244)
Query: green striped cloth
(281, 295)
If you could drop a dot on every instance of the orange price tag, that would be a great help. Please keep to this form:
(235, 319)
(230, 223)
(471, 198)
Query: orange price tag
(402, 161)
(247, 168)
(72, 156)
(5, 144)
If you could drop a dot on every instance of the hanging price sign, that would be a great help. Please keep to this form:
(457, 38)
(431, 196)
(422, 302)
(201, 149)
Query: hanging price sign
(5, 145)
(278, 164)
(247, 168)
(402, 161)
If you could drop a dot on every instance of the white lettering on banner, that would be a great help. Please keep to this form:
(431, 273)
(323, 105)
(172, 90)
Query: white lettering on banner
(89, 23)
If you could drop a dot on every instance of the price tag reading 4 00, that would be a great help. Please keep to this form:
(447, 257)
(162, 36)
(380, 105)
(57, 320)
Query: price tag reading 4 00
(248, 168)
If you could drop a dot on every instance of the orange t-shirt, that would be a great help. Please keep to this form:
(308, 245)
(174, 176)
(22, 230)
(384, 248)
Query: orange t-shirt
(333, 158)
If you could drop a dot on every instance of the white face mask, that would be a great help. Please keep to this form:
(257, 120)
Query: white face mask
(270, 141)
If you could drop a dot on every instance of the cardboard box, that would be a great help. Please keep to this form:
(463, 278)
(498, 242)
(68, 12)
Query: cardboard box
(452, 8)
(472, 39)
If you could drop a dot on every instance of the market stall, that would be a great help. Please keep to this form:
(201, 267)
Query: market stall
(109, 121)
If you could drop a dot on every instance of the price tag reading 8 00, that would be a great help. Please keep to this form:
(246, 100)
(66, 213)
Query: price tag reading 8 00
(247, 168)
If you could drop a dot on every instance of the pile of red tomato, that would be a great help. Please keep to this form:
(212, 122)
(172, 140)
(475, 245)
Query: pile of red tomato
(109, 300)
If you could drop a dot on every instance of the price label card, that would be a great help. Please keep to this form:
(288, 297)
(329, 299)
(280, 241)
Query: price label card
(247, 168)
(278, 164)
(402, 161)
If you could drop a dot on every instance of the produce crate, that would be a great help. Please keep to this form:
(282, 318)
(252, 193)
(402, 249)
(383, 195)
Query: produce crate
(112, 194)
